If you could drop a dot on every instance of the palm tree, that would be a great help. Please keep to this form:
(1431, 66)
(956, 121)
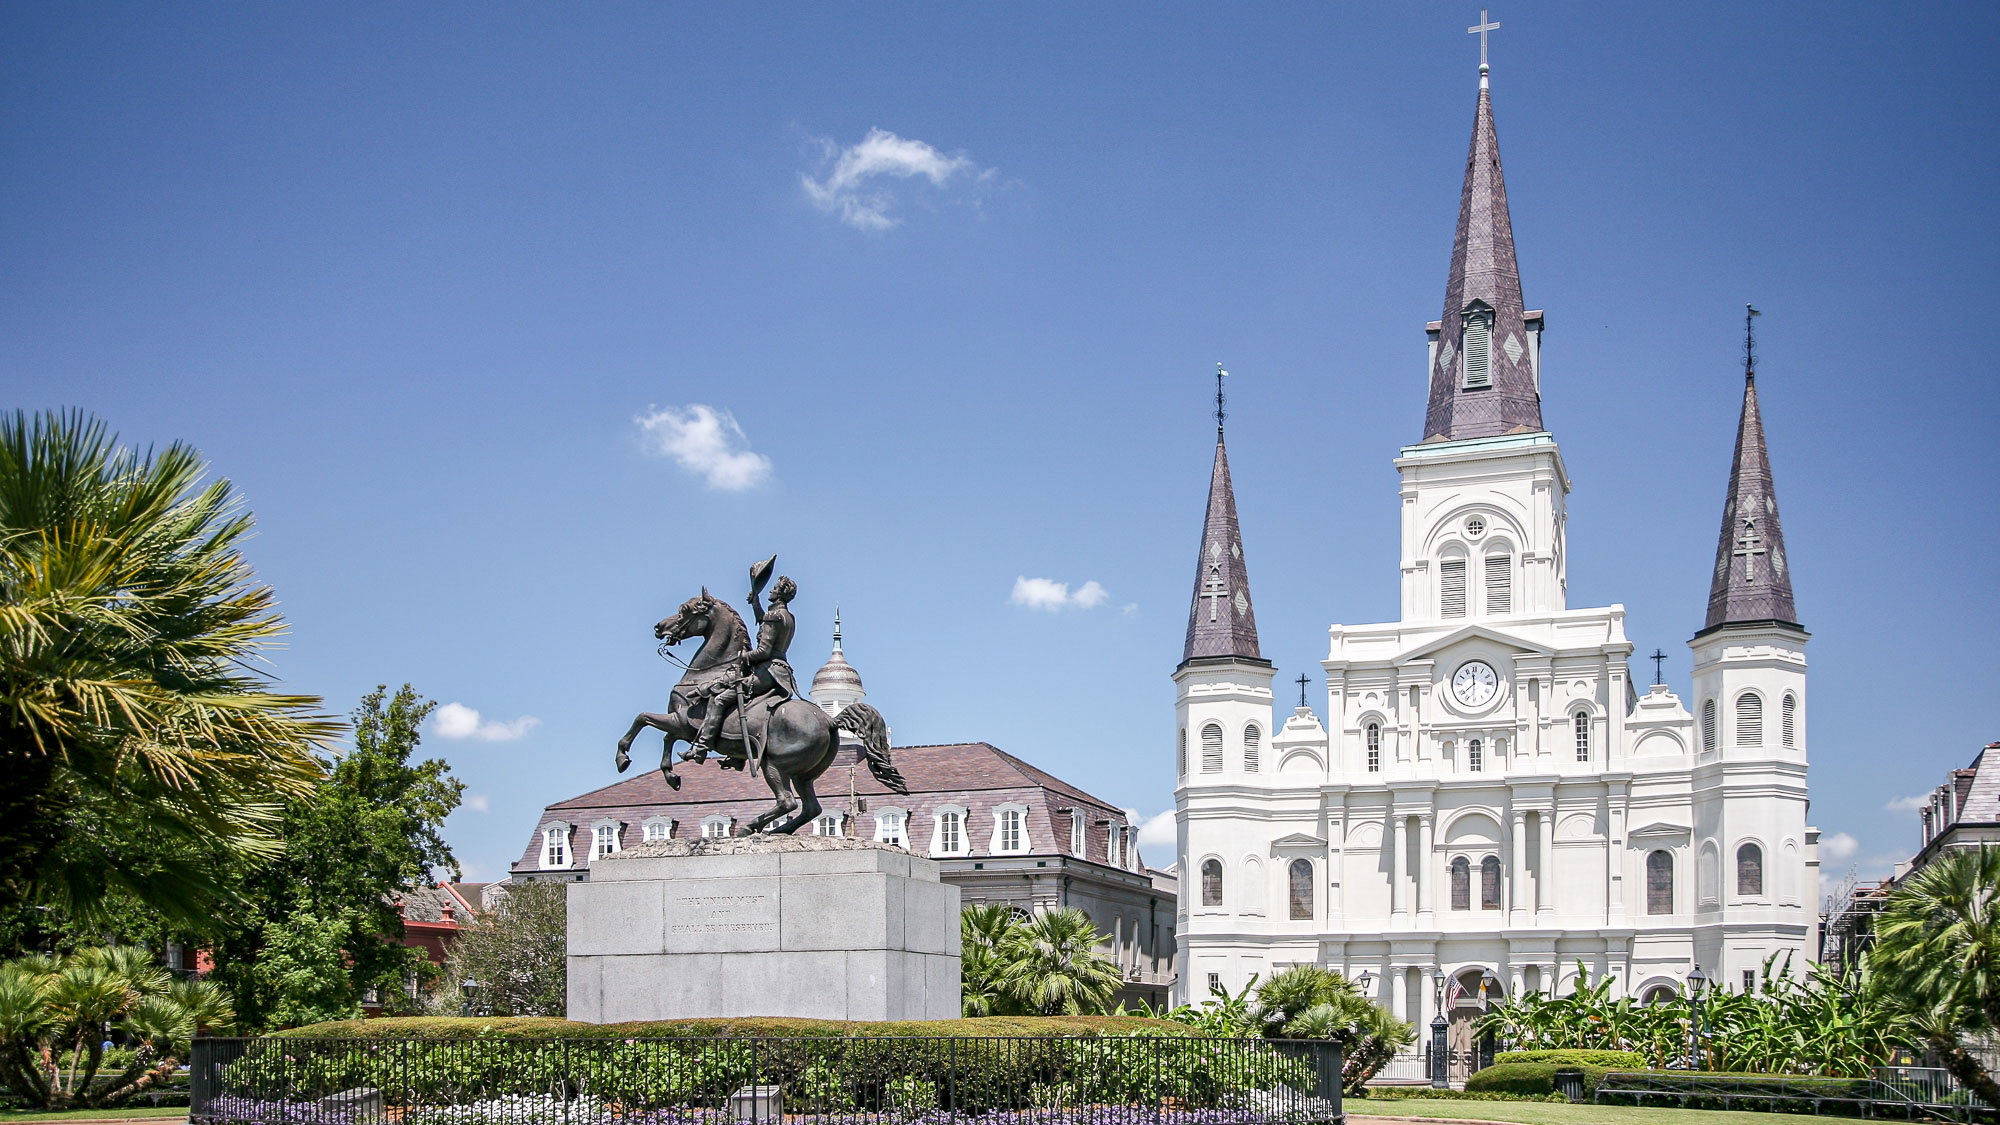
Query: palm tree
(138, 748)
(1050, 965)
(983, 928)
(1308, 1002)
(1937, 949)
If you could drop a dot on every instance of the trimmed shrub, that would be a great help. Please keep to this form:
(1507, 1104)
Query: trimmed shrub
(753, 1027)
(1536, 1078)
(1616, 1060)
(1427, 1093)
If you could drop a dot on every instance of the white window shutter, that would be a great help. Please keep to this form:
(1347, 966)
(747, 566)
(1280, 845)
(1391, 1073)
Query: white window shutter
(1451, 588)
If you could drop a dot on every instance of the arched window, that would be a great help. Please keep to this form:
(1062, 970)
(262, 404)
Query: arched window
(1790, 719)
(1750, 719)
(555, 846)
(1750, 870)
(1374, 747)
(1461, 884)
(948, 831)
(1489, 883)
(1499, 584)
(1451, 587)
(1302, 890)
(1658, 994)
(1475, 756)
(1211, 748)
(1180, 759)
(828, 824)
(1708, 727)
(1660, 883)
(656, 828)
(1211, 882)
(1253, 742)
(1580, 724)
(716, 827)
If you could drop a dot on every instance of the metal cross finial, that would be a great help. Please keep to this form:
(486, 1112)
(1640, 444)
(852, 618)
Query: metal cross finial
(836, 628)
(1480, 29)
(1220, 374)
(1659, 659)
(1750, 341)
(1302, 689)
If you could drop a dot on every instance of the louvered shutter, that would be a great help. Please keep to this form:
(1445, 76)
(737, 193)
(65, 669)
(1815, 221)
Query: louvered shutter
(1791, 720)
(1451, 588)
(1211, 749)
(1478, 352)
(1252, 743)
(1749, 720)
(1499, 584)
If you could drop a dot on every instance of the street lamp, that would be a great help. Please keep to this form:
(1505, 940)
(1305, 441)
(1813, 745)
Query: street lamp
(468, 989)
(1440, 1059)
(1696, 981)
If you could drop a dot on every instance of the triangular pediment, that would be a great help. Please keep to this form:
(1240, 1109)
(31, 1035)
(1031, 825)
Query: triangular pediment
(1659, 829)
(1298, 840)
(1482, 632)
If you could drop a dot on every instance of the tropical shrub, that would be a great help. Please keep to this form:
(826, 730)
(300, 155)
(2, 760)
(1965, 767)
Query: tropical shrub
(1047, 964)
(1306, 1002)
(1937, 954)
(1815, 1024)
(54, 1012)
(1531, 1078)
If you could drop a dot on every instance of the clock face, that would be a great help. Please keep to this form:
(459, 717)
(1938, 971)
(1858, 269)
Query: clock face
(1475, 684)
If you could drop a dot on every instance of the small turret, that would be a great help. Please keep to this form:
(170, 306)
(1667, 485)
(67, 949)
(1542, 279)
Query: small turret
(837, 686)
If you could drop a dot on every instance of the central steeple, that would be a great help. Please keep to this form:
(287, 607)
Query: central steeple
(1221, 621)
(1484, 359)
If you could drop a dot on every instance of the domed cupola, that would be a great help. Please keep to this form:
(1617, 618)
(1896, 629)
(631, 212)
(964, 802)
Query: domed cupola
(837, 685)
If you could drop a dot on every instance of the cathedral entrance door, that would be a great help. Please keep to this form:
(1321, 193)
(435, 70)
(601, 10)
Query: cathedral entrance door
(1467, 1048)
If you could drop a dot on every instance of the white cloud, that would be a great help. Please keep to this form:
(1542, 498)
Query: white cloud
(478, 802)
(456, 720)
(1907, 804)
(1158, 833)
(1051, 596)
(1839, 847)
(707, 441)
(854, 188)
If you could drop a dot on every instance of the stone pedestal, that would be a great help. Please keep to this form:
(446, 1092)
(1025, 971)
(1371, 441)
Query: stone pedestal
(821, 927)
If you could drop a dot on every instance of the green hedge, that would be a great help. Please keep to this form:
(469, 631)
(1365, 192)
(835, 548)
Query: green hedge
(768, 1027)
(833, 1066)
(1616, 1060)
(1427, 1093)
(1531, 1078)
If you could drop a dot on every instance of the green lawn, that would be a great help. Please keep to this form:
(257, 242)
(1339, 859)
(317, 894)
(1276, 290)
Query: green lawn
(1361, 1110)
(11, 1115)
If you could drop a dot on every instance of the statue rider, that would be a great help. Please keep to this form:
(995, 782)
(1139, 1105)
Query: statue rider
(763, 673)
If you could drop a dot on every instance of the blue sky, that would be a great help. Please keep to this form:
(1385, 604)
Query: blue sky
(414, 275)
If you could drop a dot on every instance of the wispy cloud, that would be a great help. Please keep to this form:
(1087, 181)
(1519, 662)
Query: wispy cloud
(1158, 833)
(708, 441)
(1838, 848)
(478, 802)
(1051, 596)
(1907, 804)
(858, 184)
(456, 720)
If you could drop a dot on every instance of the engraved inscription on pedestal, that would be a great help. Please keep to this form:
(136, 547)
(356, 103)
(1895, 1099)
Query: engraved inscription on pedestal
(737, 915)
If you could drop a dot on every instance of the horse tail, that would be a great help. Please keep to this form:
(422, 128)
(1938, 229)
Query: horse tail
(866, 723)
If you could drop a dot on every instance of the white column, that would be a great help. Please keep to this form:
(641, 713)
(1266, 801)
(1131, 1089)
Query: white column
(1399, 890)
(1399, 992)
(1517, 981)
(1517, 909)
(1614, 857)
(1424, 872)
(1545, 881)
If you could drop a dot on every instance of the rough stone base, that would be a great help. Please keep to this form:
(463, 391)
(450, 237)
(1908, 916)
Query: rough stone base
(811, 926)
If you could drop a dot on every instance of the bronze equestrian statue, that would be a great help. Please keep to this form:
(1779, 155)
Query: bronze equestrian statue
(742, 703)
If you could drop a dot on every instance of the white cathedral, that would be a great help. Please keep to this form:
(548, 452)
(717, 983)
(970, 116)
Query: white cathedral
(1492, 800)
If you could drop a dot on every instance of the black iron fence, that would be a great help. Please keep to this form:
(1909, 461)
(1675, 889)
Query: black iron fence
(1111, 1080)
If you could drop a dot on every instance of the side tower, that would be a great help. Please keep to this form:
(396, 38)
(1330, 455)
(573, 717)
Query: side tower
(1223, 703)
(1756, 867)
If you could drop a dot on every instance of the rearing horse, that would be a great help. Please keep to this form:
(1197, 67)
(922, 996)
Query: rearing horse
(799, 741)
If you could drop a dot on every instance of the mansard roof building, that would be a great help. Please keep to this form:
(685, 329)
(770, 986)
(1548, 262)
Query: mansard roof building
(1491, 798)
(1003, 830)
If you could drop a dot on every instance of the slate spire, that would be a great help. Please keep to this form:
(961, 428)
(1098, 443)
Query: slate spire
(1753, 576)
(1221, 621)
(1482, 373)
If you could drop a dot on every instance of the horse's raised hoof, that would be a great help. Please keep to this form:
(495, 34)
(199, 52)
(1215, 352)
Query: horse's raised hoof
(673, 780)
(624, 759)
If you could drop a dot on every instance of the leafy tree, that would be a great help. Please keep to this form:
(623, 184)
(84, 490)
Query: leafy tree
(1051, 967)
(982, 929)
(54, 1012)
(1937, 949)
(129, 711)
(325, 929)
(515, 952)
(1307, 1002)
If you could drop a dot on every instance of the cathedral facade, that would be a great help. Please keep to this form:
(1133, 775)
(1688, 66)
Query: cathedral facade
(1492, 802)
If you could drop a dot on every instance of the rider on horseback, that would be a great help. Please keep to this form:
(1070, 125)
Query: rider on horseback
(764, 676)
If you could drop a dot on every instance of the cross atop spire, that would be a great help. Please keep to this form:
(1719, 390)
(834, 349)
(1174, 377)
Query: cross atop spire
(1220, 413)
(1753, 577)
(1483, 374)
(1480, 29)
(1221, 621)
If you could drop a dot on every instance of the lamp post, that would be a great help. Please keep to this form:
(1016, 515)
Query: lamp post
(467, 989)
(1440, 1057)
(1696, 981)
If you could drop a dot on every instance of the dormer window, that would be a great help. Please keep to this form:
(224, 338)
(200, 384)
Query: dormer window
(1478, 348)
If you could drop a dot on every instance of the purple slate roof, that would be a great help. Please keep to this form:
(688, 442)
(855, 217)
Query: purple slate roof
(1483, 270)
(1221, 620)
(1753, 575)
